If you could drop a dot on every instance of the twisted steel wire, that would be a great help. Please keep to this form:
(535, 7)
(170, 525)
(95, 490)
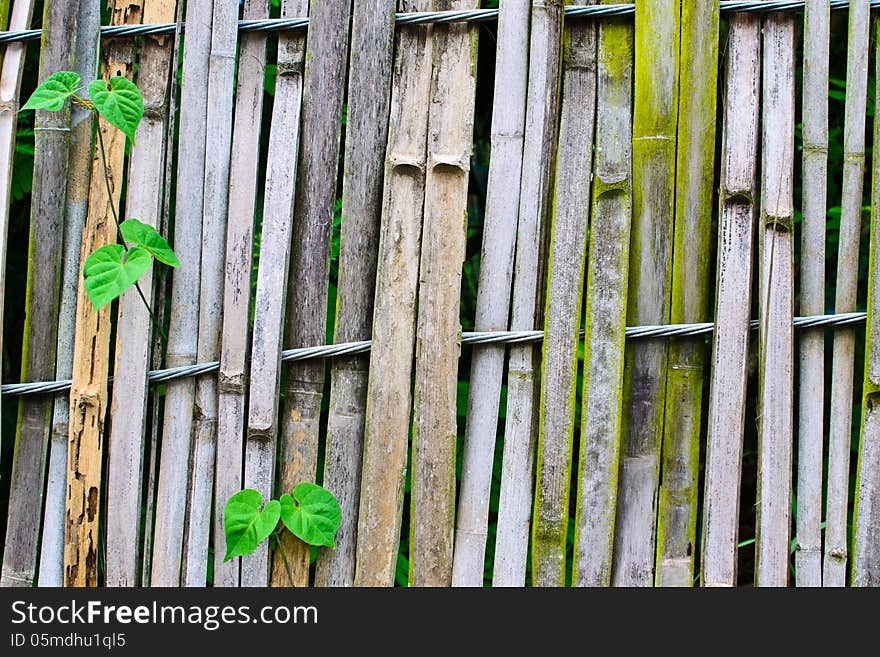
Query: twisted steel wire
(433, 17)
(469, 338)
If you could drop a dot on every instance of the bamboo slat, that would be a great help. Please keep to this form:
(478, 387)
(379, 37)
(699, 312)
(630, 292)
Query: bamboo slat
(568, 240)
(539, 148)
(42, 299)
(369, 96)
(128, 411)
(730, 342)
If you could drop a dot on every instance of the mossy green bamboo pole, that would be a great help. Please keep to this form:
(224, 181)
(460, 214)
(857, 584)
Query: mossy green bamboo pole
(386, 427)
(308, 279)
(692, 244)
(655, 114)
(542, 110)
(568, 241)
(775, 303)
(730, 340)
(51, 143)
(605, 315)
(811, 387)
(493, 297)
(78, 178)
(846, 292)
(866, 513)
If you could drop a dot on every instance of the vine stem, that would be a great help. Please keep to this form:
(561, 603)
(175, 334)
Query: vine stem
(137, 286)
(279, 548)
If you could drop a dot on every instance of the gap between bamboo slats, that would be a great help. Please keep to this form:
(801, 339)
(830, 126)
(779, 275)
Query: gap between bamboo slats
(42, 299)
(218, 145)
(91, 352)
(232, 379)
(174, 458)
(866, 513)
(695, 177)
(85, 63)
(493, 295)
(567, 258)
(775, 303)
(811, 384)
(369, 97)
(730, 341)
(386, 427)
(605, 312)
(308, 278)
(275, 240)
(438, 328)
(846, 292)
(523, 374)
(134, 327)
(655, 114)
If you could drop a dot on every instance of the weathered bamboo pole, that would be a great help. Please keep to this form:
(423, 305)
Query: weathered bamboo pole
(369, 97)
(386, 428)
(308, 279)
(695, 169)
(866, 514)
(438, 328)
(655, 113)
(218, 145)
(232, 382)
(605, 314)
(846, 291)
(78, 176)
(493, 296)
(265, 373)
(811, 386)
(542, 105)
(775, 342)
(128, 410)
(51, 143)
(730, 343)
(91, 352)
(174, 461)
(568, 241)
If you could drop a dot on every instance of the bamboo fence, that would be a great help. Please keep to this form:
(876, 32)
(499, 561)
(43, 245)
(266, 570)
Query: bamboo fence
(634, 363)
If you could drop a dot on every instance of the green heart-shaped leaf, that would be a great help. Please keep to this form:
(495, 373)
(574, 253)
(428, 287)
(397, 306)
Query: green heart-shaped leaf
(110, 271)
(54, 92)
(245, 525)
(118, 101)
(147, 237)
(312, 514)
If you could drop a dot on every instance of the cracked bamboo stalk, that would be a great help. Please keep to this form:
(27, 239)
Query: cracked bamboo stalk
(386, 427)
(128, 410)
(51, 143)
(655, 113)
(265, 367)
(438, 328)
(811, 386)
(866, 513)
(542, 106)
(730, 341)
(846, 292)
(695, 176)
(174, 460)
(605, 313)
(218, 145)
(567, 257)
(232, 381)
(493, 296)
(77, 202)
(91, 353)
(775, 303)
(308, 279)
(369, 96)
